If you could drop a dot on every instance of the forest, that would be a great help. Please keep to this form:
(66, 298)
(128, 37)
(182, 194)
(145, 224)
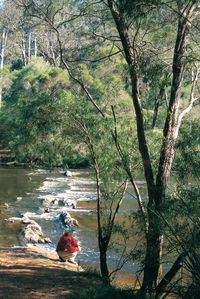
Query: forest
(113, 85)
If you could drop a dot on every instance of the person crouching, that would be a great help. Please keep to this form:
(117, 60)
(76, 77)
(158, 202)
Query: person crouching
(67, 247)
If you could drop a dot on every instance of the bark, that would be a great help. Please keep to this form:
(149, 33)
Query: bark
(103, 264)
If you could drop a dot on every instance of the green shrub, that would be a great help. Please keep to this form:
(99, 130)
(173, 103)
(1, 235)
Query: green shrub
(106, 292)
(76, 162)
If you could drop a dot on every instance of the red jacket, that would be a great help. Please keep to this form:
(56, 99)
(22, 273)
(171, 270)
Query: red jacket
(67, 243)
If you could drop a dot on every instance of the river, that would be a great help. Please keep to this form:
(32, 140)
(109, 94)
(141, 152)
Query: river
(25, 190)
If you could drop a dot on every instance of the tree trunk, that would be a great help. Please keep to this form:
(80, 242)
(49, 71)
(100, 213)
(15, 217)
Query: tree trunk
(170, 275)
(3, 46)
(132, 63)
(153, 255)
(103, 245)
(23, 48)
(2, 52)
(103, 264)
(154, 243)
(29, 47)
(35, 46)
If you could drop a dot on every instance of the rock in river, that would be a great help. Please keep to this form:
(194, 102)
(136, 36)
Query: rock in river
(67, 220)
(32, 230)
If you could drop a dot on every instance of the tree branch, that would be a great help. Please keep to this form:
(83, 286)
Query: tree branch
(81, 84)
(128, 171)
(170, 274)
(191, 100)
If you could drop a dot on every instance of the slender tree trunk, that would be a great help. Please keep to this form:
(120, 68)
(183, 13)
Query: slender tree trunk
(3, 46)
(29, 47)
(23, 49)
(35, 46)
(102, 241)
(2, 52)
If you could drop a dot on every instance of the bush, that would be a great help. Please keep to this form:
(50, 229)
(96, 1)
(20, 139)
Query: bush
(76, 162)
(106, 292)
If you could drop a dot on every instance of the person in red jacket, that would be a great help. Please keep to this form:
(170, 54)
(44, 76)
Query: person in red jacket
(67, 247)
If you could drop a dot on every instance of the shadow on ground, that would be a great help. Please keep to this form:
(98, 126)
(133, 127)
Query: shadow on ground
(34, 273)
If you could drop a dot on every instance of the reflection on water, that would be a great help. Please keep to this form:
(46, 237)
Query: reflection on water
(27, 191)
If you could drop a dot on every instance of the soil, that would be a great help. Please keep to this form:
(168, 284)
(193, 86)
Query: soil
(35, 273)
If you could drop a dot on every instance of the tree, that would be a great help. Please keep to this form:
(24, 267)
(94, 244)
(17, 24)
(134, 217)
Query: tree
(111, 182)
(156, 188)
(34, 114)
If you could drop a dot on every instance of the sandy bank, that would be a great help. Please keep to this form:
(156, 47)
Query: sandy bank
(35, 273)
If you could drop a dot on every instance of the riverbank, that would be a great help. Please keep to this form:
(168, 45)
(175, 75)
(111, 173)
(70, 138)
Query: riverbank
(42, 195)
(34, 273)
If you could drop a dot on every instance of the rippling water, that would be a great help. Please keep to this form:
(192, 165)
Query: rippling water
(30, 192)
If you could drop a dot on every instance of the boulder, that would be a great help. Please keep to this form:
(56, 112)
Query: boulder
(68, 203)
(32, 231)
(48, 202)
(67, 220)
(67, 173)
(13, 219)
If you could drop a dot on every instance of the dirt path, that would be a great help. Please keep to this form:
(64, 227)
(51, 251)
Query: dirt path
(35, 273)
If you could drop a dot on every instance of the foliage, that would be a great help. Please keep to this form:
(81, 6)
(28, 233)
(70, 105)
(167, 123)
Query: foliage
(76, 161)
(188, 150)
(102, 292)
(5, 78)
(35, 114)
(135, 8)
(181, 220)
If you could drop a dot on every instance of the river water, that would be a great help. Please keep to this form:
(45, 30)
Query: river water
(28, 191)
